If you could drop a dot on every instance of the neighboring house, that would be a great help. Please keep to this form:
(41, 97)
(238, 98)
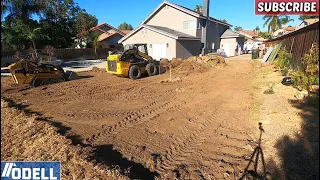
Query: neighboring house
(307, 22)
(172, 30)
(109, 36)
(250, 36)
(283, 31)
(232, 43)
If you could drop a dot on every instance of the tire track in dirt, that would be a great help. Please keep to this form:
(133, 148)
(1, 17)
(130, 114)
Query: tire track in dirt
(144, 114)
(180, 149)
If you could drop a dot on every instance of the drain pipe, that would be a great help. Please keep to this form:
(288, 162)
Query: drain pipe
(205, 28)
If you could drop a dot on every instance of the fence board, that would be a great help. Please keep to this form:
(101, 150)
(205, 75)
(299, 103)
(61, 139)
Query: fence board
(301, 42)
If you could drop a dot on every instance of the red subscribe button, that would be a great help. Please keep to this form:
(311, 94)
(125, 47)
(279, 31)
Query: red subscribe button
(285, 7)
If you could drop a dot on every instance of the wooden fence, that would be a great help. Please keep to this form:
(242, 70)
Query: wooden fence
(298, 43)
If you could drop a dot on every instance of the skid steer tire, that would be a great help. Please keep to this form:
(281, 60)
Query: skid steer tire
(152, 69)
(134, 72)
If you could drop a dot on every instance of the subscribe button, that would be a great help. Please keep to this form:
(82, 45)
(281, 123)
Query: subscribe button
(30, 170)
(287, 7)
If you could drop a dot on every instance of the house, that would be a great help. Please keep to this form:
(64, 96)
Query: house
(108, 35)
(307, 22)
(172, 30)
(283, 31)
(232, 43)
(250, 36)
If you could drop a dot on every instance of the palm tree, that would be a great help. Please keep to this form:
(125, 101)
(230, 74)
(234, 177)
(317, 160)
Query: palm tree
(22, 9)
(285, 20)
(257, 29)
(199, 9)
(94, 36)
(32, 35)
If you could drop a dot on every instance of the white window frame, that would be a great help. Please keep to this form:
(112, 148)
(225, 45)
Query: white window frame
(191, 24)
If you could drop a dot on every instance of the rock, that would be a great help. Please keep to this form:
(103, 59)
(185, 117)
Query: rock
(248, 147)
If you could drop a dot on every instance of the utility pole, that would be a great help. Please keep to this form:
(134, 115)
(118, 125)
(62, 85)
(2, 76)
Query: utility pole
(205, 29)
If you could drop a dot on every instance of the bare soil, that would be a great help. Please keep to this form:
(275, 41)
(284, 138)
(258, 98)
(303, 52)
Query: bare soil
(25, 138)
(199, 127)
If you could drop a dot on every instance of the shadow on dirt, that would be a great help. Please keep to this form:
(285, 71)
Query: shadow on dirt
(300, 155)
(106, 155)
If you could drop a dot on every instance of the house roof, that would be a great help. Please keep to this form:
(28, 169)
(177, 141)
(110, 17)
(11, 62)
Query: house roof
(289, 28)
(311, 21)
(250, 33)
(104, 36)
(98, 27)
(229, 34)
(125, 31)
(186, 10)
(161, 30)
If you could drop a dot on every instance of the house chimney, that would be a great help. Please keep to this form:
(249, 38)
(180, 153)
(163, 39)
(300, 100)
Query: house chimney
(205, 27)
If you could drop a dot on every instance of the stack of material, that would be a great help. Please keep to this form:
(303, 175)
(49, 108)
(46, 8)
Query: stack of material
(211, 60)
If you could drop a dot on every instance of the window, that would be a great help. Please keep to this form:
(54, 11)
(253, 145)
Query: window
(189, 24)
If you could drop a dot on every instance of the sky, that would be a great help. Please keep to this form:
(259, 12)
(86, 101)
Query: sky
(114, 12)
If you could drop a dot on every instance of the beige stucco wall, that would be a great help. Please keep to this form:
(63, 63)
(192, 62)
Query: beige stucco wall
(150, 37)
(172, 18)
(232, 45)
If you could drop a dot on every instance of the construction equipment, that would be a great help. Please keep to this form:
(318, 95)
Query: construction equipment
(37, 74)
(132, 62)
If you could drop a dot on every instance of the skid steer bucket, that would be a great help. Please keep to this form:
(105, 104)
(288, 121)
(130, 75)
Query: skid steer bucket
(71, 75)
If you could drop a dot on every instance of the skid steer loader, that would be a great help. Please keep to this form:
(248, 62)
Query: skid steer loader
(37, 74)
(132, 62)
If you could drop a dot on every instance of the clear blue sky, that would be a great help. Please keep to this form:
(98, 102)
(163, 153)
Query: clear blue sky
(114, 12)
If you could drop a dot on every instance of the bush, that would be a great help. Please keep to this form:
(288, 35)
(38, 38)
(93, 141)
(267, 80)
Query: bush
(283, 59)
(309, 76)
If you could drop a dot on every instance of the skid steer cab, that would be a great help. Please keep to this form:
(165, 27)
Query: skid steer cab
(132, 62)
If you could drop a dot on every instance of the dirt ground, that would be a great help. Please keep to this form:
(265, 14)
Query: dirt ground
(203, 126)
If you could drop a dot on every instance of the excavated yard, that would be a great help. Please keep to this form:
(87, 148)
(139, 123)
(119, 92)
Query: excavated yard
(197, 127)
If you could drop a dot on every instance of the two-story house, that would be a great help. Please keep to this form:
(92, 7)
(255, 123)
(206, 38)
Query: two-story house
(175, 31)
(108, 35)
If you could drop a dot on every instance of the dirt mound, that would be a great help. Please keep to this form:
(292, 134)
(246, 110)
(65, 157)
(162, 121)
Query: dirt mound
(188, 67)
(164, 62)
(176, 62)
(212, 60)
(28, 139)
(99, 70)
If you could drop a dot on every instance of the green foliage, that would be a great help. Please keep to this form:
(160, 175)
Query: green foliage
(223, 20)
(309, 76)
(307, 17)
(283, 59)
(275, 22)
(265, 35)
(269, 90)
(199, 9)
(61, 21)
(125, 26)
(238, 28)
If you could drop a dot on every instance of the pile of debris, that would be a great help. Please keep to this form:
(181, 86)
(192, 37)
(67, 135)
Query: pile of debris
(210, 59)
(194, 64)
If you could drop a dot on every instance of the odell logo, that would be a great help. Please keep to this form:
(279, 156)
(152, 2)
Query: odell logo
(30, 170)
(287, 7)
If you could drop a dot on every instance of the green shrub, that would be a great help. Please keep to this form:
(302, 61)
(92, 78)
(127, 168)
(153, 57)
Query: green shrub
(304, 79)
(283, 59)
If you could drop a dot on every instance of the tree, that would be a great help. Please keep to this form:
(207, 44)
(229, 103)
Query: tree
(284, 21)
(307, 17)
(22, 9)
(125, 26)
(257, 29)
(275, 22)
(94, 36)
(223, 20)
(264, 35)
(238, 28)
(199, 9)
(33, 35)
